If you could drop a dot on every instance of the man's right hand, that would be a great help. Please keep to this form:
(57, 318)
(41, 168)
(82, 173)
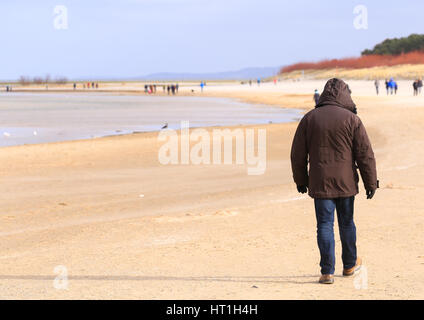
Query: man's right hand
(370, 194)
(302, 189)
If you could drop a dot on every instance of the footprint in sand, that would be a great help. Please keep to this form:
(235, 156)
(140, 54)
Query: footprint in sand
(226, 213)
(191, 217)
(167, 240)
(391, 186)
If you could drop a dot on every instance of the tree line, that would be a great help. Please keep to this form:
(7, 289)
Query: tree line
(397, 46)
(24, 80)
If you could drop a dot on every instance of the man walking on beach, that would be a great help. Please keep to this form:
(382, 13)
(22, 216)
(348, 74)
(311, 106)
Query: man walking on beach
(415, 86)
(316, 96)
(392, 85)
(333, 140)
(419, 85)
(377, 85)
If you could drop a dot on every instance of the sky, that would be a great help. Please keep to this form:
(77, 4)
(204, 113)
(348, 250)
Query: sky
(130, 38)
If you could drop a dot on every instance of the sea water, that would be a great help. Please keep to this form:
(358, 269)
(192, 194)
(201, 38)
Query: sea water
(30, 118)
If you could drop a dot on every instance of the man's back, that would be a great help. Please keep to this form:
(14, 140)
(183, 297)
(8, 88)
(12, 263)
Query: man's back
(329, 138)
(333, 139)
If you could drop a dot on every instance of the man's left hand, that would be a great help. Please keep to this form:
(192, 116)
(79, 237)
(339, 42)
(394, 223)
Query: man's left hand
(370, 194)
(302, 189)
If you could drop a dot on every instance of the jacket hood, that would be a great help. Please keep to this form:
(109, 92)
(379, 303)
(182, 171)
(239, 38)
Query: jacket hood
(336, 92)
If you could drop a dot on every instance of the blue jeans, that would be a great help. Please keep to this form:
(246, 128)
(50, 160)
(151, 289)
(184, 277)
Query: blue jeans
(324, 210)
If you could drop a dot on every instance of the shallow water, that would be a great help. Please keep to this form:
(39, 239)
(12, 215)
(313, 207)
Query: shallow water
(29, 118)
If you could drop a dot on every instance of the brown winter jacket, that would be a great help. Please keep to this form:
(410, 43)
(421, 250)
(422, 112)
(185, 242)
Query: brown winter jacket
(334, 141)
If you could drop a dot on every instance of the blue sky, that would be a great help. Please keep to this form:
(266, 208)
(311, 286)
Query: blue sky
(129, 38)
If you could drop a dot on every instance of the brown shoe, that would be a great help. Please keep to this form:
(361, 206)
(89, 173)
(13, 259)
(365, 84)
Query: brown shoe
(326, 279)
(351, 271)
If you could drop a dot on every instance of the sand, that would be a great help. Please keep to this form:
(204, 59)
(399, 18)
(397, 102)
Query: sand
(125, 226)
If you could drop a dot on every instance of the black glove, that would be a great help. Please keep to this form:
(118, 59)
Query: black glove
(302, 189)
(370, 194)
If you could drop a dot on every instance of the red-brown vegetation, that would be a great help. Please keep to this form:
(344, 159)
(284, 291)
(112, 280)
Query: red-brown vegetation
(368, 61)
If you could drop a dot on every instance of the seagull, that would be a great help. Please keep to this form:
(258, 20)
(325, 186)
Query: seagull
(165, 126)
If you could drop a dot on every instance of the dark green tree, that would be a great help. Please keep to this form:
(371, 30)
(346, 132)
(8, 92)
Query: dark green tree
(396, 46)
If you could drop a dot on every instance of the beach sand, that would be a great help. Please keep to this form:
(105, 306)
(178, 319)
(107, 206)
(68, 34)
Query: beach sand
(125, 226)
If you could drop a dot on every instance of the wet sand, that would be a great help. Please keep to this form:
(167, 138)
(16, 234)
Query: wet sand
(125, 226)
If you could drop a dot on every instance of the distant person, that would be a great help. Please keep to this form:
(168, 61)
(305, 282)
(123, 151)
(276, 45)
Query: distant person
(145, 88)
(392, 85)
(395, 85)
(202, 84)
(97, 85)
(275, 81)
(173, 89)
(259, 81)
(377, 85)
(387, 86)
(316, 96)
(250, 82)
(88, 85)
(177, 86)
(415, 86)
(75, 86)
(419, 85)
(332, 141)
(168, 88)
